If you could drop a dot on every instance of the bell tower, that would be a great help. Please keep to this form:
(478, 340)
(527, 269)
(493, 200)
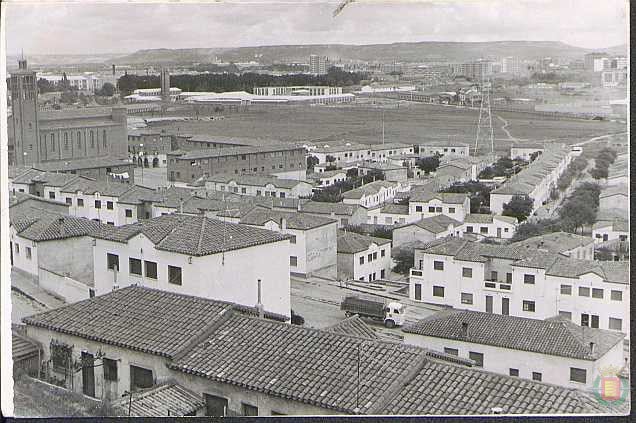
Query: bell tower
(24, 109)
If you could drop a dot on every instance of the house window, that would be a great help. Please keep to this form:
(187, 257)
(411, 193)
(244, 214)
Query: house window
(174, 275)
(112, 261)
(529, 279)
(293, 261)
(375, 255)
(79, 139)
(109, 205)
(467, 298)
(369, 258)
(140, 378)
(478, 358)
(451, 351)
(65, 141)
(215, 406)
(52, 142)
(151, 269)
(431, 209)
(578, 375)
(594, 323)
(597, 293)
(452, 210)
(28, 253)
(438, 291)
(382, 253)
(248, 410)
(282, 195)
(128, 213)
(566, 314)
(361, 259)
(483, 229)
(536, 376)
(418, 208)
(92, 139)
(438, 209)
(134, 266)
(69, 201)
(467, 272)
(528, 306)
(110, 369)
(566, 289)
(508, 277)
(98, 204)
(51, 195)
(17, 249)
(438, 265)
(615, 324)
(469, 229)
(292, 240)
(585, 319)
(513, 372)
(617, 295)
(80, 202)
(584, 292)
(243, 190)
(104, 138)
(258, 191)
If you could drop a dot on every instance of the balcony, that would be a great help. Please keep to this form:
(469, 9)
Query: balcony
(416, 273)
(497, 285)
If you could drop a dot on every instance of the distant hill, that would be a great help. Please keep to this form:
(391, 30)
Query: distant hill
(404, 52)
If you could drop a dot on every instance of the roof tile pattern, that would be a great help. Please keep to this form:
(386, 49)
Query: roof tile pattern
(351, 242)
(163, 400)
(353, 326)
(259, 216)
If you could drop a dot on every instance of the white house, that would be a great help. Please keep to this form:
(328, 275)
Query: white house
(426, 203)
(372, 194)
(345, 214)
(353, 152)
(313, 239)
(268, 186)
(389, 214)
(425, 230)
(454, 149)
(55, 250)
(198, 256)
(391, 172)
(614, 197)
(362, 257)
(535, 181)
(328, 178)
(563, 243)
(554, 351)
(609, 230)
(525, 282)
(488, 225)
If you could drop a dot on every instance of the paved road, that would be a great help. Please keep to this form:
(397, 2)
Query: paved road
(318, 301)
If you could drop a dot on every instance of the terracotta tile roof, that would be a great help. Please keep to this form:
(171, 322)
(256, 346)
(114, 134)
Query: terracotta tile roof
(371, 188)
(191, 235)
(44, 225)
(353, 326)
(351, 242)
(90, 186)
(424, 195)
(395, 209)
(557, 242)
(440, 388)
(300, 364)
(617, 225)
(20, 197)
(77, 164)
(138, 194)
(435, 224)
(233, 151)
(318, 207)
(260, 216)
(168, 399)
(142, 319)
(254, 180)
(556, 336)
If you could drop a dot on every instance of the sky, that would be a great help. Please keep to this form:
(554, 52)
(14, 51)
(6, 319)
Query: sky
(106, 27)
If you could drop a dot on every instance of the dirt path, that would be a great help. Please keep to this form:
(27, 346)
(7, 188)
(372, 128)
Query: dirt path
(503, 128)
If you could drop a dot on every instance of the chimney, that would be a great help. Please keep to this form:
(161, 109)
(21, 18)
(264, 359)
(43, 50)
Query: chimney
(592, 347)
(283, 224)
(60, 221)
(113, 70)
(259, 304)
(464, 329)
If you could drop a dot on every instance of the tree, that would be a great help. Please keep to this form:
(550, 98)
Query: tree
(576, 212)
(352, 173)
(311, 162)
(45, 86)
(107, 90)
(404, 261)
(529, 229)
(69, 97)
(519, 207)
(534, 155)
(330, 158)
(599, 173)
(428, 164)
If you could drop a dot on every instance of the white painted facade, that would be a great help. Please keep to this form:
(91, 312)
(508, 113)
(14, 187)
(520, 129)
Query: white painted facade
(222, 276)
(384, 193)
(607, 232)
(329, 179)
(357, 152)
(544, 293)
(498, 228)
(435, 206)
(371, 264)
(454, 150)
(553, 369)
(301, 190)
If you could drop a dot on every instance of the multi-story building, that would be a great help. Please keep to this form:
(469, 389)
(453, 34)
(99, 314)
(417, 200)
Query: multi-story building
(148, 148)
(198, 256)
(590, 58)
(477, 70)
(562, 243)
(426, 203)
(554, 351)
(313, 243)
(36, 136)
(536, 181)
(444, 149)
(605, 230)
(522, 282)
(488, 225)
(614, 77)
(259, 186)
(282, 160)
(362, 257)
(318, 65)
(298, 90)
(511, 65)
(372, 194)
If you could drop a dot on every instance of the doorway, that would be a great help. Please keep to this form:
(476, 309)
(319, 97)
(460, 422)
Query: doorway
(505, 306)
(488, 304)
(88, 374)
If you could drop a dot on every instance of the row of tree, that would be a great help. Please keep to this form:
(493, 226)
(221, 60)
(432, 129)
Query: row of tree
(573, 171)
(580, 208)
(504, 166)
(333, 193)
(602, 161)
(223, 82)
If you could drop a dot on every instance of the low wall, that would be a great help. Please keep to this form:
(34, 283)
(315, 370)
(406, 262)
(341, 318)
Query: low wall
(68, 289)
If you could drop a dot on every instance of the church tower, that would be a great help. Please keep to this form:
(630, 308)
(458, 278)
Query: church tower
(24, 109)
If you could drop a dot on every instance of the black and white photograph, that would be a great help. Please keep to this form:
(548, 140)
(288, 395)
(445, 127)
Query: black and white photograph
(315, 208)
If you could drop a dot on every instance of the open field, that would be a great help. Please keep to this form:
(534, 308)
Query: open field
(404, 122)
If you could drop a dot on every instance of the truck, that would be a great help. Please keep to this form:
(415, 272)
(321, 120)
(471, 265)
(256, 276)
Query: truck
(391, 313)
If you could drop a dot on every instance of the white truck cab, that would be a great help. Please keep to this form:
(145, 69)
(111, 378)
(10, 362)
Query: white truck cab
(394, 314)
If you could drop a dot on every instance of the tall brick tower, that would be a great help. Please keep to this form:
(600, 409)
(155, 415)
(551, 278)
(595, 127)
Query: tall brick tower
(24, 109)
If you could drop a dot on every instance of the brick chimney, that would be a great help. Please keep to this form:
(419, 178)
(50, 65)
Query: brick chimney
(464, 329)
(60, 221)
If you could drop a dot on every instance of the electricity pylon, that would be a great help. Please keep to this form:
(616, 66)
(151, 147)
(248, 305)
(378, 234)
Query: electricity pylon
(485, 134)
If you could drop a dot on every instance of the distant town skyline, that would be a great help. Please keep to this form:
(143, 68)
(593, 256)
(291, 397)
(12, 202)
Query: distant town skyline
(112, 28)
